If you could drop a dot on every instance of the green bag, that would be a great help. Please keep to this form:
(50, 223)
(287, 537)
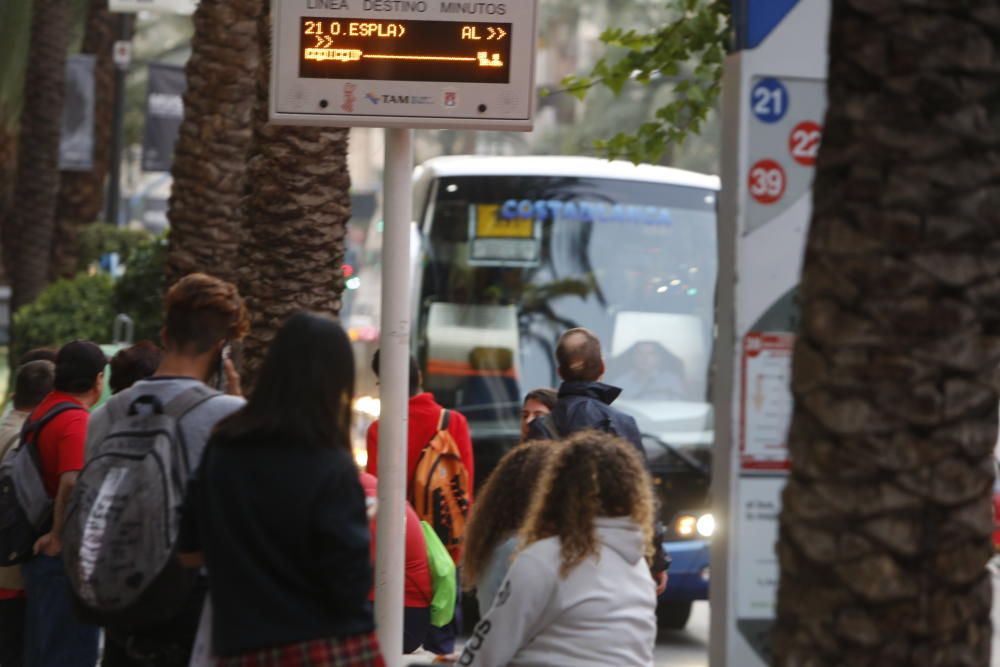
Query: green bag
(443, 584)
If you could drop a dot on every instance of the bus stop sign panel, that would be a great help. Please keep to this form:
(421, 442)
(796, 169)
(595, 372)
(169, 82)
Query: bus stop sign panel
(396, 63)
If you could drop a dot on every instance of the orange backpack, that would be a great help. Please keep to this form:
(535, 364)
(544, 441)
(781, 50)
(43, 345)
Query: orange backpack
(440, 490)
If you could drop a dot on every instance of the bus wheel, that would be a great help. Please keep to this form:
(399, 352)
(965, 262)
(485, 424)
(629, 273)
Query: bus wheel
(673, 615)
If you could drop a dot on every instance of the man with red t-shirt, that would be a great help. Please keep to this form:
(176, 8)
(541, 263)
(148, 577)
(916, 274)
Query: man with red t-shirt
(424, 417)
(53, 637)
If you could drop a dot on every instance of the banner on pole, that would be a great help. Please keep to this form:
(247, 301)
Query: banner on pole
(76, 139)
(160, 6)
(164, 112)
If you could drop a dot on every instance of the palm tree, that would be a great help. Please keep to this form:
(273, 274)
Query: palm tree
(37, 181)
(81, 193)
(885, 526)
(8, 169)
(297, 209)
(14, 20)
(205, 212)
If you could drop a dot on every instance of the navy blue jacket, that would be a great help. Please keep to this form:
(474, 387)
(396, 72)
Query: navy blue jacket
(583, 405)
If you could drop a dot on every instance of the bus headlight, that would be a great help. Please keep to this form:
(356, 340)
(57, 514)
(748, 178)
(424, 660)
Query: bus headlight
(368, 405)
(706, 525)
(361, 457)
(691, 525)
(685, 525)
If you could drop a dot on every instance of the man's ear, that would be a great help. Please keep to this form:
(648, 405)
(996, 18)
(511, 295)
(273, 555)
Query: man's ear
(603, 368)
(99, 383)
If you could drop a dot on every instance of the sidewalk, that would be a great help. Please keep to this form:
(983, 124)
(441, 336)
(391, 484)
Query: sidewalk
(422, 657)
(411, 659)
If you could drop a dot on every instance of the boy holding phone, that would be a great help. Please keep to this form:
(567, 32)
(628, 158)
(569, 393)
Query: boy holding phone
(202, 315)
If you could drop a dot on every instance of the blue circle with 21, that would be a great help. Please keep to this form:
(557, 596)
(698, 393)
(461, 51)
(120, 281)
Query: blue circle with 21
(769, 100)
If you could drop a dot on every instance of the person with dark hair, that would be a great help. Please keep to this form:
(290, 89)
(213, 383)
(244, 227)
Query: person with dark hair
(579, 593)
(202, 315)
(33, 383)
(424, 421)
(31, 386)
(39, 354)
(537, 403)
(424, 416)
(277, 513)
(53, 636)
(584, 401)
(491, 536)
(134, 363)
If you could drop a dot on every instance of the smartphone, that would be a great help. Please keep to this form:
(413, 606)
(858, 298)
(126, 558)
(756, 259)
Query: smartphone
(220, 374)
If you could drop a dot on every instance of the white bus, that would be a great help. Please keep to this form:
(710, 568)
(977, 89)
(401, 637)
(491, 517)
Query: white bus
(511, 251)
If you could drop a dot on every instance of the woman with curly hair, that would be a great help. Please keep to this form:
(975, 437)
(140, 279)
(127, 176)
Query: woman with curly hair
(579, 593)
(500, 509)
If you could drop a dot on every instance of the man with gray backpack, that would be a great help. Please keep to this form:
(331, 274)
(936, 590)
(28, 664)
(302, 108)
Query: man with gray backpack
(142, 448)
(36, 481)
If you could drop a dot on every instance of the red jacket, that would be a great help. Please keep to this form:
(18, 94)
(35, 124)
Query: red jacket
(424, 417)
(417, 591)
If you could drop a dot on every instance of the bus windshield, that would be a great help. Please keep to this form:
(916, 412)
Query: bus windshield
(510, 262)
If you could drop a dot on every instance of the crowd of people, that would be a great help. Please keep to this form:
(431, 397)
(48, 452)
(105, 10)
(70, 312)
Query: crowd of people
(187, 525)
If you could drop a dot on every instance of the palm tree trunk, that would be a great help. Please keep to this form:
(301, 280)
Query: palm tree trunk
(81, 193)
(8, 173)
(206, 213)
(886, 519)
(38, 177)
(297, 207)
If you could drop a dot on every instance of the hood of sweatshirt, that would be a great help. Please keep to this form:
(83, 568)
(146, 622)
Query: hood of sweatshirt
(623, 536)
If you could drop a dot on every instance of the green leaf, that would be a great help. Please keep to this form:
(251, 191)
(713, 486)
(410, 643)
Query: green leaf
(689, 51)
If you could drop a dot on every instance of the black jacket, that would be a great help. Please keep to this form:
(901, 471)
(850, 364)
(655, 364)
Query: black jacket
(584, 405)
(285, 536)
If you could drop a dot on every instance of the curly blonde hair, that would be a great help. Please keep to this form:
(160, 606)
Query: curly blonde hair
(501, 505)
(591, 475)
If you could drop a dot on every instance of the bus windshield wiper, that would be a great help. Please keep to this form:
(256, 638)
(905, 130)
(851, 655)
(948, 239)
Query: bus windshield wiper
(685, 458)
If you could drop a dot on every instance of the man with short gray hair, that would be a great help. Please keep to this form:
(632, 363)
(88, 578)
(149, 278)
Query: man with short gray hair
(584, 401)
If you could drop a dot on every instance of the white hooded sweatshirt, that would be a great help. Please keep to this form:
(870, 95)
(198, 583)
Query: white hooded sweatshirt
(603, 613)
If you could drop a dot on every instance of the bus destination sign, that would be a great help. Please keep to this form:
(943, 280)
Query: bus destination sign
(403, 50)
(404, 63)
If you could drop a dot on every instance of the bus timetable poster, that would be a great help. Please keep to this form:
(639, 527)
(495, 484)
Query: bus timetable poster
(766, 400)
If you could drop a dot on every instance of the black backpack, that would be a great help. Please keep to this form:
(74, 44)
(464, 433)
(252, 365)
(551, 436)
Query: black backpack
(25, 505)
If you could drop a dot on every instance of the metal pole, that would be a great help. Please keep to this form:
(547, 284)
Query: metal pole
(394, 371)
(118, 127)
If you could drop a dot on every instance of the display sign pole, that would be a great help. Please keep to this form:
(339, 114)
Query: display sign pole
(400, 66)
(394, 370)
(774, 96)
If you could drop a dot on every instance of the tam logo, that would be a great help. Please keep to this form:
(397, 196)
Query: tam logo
(399, 99)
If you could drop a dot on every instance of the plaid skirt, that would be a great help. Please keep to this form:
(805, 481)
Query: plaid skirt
(356, 651)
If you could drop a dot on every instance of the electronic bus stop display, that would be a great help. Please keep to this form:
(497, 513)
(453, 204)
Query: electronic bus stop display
(402, 63)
